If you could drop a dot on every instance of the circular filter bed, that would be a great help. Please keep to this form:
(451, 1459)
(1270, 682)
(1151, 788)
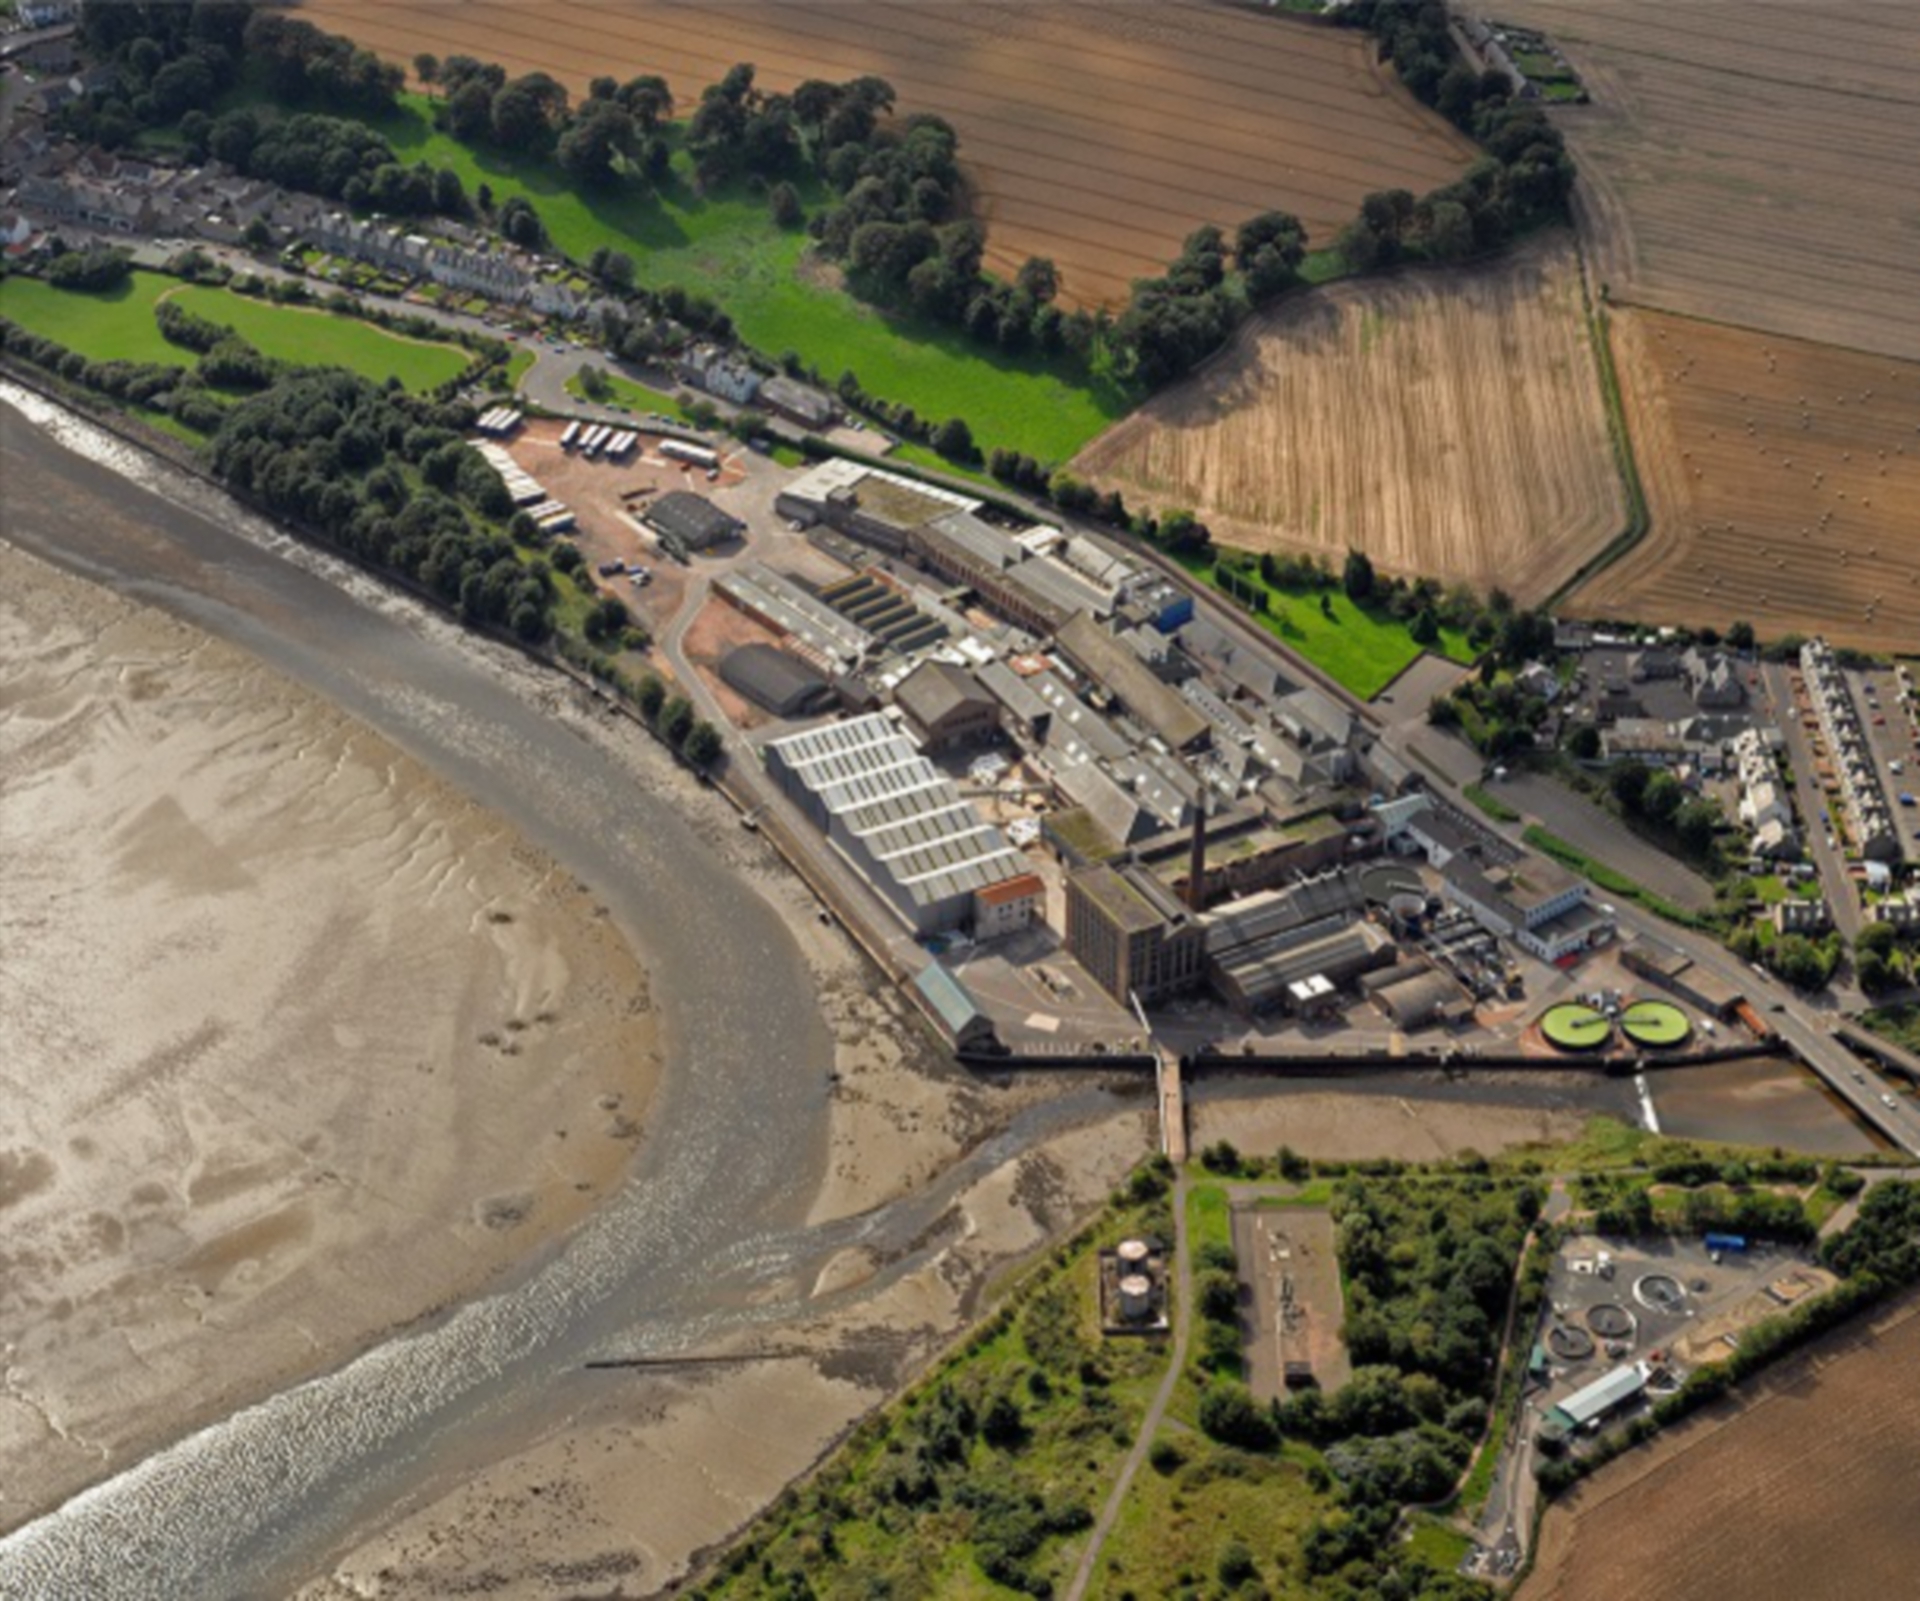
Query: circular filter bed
(1572, 1027)
(1656, 1023)
(1568, 1343)
(1660, 1292)
(1610, 1322)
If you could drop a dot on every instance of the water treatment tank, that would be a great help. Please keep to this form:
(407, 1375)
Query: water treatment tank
(1136, 1298)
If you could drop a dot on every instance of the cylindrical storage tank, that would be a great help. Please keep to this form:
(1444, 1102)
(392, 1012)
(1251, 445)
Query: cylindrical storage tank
(1133, 1256)
(1136, 1297)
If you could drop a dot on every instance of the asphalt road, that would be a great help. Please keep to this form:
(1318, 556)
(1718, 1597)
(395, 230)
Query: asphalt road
(1811, 801)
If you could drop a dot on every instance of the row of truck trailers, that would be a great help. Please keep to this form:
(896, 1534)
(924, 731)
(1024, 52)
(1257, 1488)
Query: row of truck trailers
(592, 439)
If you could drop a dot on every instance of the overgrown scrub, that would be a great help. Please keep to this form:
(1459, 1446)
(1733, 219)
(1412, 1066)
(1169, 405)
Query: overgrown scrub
(976, 1481)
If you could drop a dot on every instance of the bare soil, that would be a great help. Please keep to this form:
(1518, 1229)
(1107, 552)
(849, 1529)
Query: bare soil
(1783, 485)
(1448, 423)
(1098, 135)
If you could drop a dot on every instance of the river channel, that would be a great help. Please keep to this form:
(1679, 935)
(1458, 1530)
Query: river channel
(711, 1213)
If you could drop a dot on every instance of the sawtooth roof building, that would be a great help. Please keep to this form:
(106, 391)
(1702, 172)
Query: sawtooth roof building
(901, 822)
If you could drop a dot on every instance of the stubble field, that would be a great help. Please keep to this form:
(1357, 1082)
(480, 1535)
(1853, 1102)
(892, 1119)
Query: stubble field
(1096, 135)
(1806, 1491)
(1751, 161)
(1783, 485)
(1447, 424)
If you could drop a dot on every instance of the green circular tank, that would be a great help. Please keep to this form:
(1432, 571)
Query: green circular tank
(1659, 1024)
(1573, 1027)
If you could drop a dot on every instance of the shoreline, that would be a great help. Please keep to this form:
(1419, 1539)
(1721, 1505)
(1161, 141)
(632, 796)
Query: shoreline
(203, 1044)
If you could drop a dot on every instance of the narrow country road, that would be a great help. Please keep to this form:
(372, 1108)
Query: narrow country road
(1150, 1424)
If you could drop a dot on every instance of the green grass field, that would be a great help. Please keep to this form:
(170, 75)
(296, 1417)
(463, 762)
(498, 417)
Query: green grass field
(1363, 647)
(120, 326)
(726, 246)
(635, 397)
(115, 326)
(311, 338)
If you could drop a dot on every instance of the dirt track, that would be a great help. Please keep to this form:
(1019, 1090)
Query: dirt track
(1751, 161)
(1783, 481)
(1097, 135)
(1446, 423)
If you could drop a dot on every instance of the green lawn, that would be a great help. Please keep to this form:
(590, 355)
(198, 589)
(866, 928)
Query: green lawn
(726, 246)
(909, 454)
(312, 338)
(119, 325)
(115, 326)
(1365, 648)
(635, 397)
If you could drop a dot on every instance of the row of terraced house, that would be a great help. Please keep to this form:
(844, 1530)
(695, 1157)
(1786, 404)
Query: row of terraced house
(1869, 818)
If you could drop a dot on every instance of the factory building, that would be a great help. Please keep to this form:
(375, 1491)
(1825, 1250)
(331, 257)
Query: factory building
(1132, 937)
(901, 823)
(691, 521)
(1544, 912)
(944, 706)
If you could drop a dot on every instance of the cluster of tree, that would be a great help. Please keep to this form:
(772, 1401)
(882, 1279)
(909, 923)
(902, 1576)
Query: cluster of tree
(1758, 1214)
(1428, 1270)
(1659, 800)
(179, 326)
(1526, 176)
(616, 133)
(1878, 961)
(94, 269)
(302, 64)
(387, 478)
(1174, 322)
(168, 60)
(337, 157)
(671, 716)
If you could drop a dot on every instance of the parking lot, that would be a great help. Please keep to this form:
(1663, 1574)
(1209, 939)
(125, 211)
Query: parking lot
(1887, 708)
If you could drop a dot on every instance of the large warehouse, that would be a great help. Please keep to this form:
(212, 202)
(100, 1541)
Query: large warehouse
(901, 822)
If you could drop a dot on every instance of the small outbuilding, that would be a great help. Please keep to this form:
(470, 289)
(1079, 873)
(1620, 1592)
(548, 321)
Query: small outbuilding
(693, 521)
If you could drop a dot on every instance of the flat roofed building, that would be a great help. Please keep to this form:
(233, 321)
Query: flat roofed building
(1260, 974)
(901, 823)
(1130, 936)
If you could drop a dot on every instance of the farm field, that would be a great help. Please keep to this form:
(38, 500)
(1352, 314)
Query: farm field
(1782, 480)
(1098, 135)
(1448, 424)
(1803, 1490)
(120, 325)
(1750, 161)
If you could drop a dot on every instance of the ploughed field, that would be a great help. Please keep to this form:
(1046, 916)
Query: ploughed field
(1807, 1492)
(1751, 161)
(1447, 424)
(1782, 480)
(1098, 135)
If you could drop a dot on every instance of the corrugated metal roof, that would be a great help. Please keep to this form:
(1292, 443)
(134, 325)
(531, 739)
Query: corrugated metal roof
(1602, 1396)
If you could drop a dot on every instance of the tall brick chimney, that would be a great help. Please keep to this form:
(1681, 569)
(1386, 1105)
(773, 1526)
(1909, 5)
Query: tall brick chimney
(1197, 861)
